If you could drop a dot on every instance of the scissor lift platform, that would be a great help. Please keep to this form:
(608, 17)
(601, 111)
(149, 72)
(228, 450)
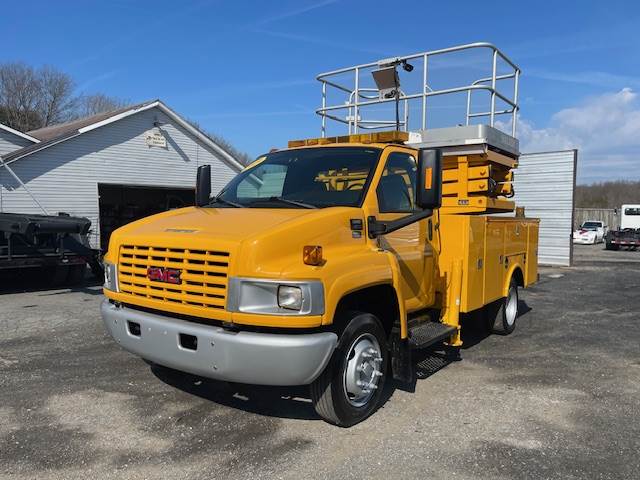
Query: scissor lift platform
(478, 158)
(478, 163)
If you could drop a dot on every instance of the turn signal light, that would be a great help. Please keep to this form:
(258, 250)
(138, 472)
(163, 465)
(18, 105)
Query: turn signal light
(428, 178)
(312, 255)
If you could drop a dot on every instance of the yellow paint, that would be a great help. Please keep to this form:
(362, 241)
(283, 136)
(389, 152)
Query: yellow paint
(452, 316)
(490, 251)
(468, 260)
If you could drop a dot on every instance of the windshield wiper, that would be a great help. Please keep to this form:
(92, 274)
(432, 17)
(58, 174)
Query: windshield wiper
(226, 202)
(285, 200)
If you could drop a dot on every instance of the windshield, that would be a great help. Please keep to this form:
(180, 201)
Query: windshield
(309, 177)
(590, 225)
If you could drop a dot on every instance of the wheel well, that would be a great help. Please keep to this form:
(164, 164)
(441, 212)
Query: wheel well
(517, 274)
(379, 300)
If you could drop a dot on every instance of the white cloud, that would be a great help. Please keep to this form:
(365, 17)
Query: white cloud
(605, 129)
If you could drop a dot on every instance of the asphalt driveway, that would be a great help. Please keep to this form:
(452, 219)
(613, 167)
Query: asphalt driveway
(560, 398)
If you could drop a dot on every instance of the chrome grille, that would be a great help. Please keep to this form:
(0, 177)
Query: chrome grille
(203, 275)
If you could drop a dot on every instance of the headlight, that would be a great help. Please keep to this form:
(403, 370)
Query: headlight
(290, 297)
(275, 297)
(110, 276)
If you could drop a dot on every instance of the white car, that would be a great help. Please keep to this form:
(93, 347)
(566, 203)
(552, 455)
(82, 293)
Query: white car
(590, 233)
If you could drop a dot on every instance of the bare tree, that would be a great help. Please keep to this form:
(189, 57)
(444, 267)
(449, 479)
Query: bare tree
(242, 157)
(20, 96)
(98, 103)
(31, 98)
(610, 194)
(223, 143)
(56, 103)
(35, 98)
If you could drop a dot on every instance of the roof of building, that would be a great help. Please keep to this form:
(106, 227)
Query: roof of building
(18, 133)
(49, 136)
(69, 128)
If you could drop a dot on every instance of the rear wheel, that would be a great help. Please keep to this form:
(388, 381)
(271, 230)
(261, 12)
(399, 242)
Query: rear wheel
(611, 246)
(503, 320)
(350, 387)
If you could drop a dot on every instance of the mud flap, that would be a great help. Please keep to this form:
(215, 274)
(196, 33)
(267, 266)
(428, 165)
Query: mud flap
(401, 364)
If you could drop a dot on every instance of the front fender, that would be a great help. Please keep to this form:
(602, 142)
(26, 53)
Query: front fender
(352, 274)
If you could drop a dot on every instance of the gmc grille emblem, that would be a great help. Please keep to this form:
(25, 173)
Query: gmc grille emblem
(166, 275)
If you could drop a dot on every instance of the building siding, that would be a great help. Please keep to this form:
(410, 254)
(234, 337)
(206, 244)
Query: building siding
(544, 183)
(65, 177)
(10, 142)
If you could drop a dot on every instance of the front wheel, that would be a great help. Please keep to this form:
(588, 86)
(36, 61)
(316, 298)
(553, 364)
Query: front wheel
(503, 322)
(349, 389)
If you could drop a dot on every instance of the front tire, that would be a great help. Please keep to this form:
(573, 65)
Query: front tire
(350, 388)
(504, 321)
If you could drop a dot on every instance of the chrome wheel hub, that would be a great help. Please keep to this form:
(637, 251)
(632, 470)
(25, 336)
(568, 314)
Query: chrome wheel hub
(511, 310)
(363, 370)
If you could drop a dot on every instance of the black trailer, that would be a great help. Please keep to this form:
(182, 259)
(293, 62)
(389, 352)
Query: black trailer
(57, 245)
(623, 238)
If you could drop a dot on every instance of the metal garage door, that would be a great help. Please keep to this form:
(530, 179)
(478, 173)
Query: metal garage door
(544, 184)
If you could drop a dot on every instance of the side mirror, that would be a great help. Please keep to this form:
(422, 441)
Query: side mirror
(429, 179)
(203, 186)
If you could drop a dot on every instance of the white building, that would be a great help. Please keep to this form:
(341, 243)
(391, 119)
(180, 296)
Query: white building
(111, 168)
(11, 140)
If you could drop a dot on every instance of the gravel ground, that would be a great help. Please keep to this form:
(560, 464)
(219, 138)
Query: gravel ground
(557, 399)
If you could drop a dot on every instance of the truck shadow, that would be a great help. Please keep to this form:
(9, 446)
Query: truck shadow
(34, 281)
(295, 402)
(282, 402)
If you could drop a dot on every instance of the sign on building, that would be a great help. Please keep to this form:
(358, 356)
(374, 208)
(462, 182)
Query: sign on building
(155, 138)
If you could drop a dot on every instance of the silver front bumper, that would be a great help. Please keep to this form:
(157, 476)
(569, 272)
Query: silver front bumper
(243, 357)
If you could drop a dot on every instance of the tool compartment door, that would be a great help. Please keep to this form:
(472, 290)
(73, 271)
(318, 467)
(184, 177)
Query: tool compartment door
(494, 260)
(531, 264)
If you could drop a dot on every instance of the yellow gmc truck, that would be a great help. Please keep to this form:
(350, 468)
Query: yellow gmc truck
(326, 263)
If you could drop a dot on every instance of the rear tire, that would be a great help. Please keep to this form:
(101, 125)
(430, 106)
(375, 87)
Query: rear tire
(350, 388)
(611, 246)
(503, 321)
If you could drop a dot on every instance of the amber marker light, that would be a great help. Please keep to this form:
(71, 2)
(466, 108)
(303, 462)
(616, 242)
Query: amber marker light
(428, 179)
(312, 255)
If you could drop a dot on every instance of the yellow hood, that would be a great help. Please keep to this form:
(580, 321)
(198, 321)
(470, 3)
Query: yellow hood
(231, 224)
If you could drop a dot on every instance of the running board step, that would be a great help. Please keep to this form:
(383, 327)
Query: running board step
(428, 333)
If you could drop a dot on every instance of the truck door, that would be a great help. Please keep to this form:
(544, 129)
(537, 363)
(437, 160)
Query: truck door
(396, 198)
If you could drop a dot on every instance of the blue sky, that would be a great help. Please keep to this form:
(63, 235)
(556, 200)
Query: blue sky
(246, 69)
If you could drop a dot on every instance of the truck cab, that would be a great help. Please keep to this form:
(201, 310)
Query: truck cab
(630, 217)
(628, 234)
(327, 263)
